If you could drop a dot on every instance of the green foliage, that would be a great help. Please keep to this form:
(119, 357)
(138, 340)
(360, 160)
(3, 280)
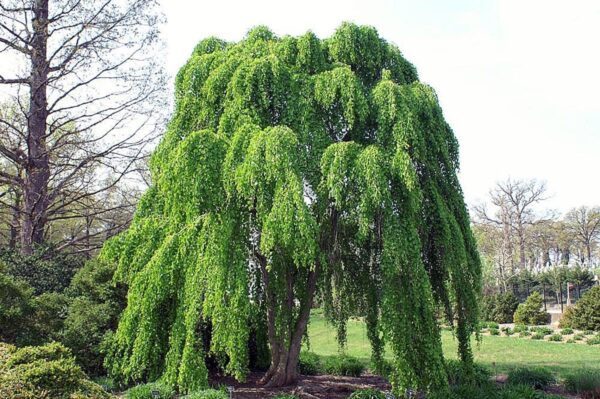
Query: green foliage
(579, 336)
(582, 381)
(526, 334)
(92, 313)
(459, 375)
(144, 391)
(595, 340)
(295, 167)
(309, 364)
(499, 308)
(343, 365)
(508, 331)
(15, 306)
(47, 371)
(538, 336)
(520, 328)
(530, 312)
(367, 394)
(567, 331)
(47, 270)
(494, 331)
(585, 314)
(537, 378)
(544, 330)
(491, 391)
(556, 338)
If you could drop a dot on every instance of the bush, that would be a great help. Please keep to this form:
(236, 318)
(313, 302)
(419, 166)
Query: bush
(519, 328)
(530, 312)
(207, 394)
(367, 394)
(499, 308)
(145, 391)
(46, 320)
(585, 315)
(578, 337)
(543, 330)
(15, 307)
(47, 371)
(582, 381)
(494, 331)
(525, 334)
(538, 378)
(458, 375)
(508, 331)
(343, 365)
(309, 363)
(594, 340)
(567, 331)
(556, 338)
(538, 335)
(566, 319)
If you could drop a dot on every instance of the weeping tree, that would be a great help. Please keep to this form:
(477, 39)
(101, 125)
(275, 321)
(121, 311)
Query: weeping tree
(296, 169)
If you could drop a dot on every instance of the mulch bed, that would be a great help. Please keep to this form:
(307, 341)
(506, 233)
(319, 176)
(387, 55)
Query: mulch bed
(307, 387)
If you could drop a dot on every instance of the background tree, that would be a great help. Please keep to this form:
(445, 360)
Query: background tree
(87, 99)
(584, 225)
(295, 167)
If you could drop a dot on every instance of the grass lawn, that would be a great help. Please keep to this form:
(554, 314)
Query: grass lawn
(507, 352)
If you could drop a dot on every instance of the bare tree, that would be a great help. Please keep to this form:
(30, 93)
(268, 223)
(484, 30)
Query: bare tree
(88, 100)
(515, 202)
(584, 225)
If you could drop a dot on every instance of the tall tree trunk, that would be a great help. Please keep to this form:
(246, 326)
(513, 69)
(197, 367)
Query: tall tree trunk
(15, 223)
(37, 170)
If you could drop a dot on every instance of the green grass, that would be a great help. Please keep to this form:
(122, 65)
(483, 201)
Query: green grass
(506, 352)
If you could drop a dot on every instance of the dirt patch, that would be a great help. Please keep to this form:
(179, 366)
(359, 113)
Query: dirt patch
(307, 387)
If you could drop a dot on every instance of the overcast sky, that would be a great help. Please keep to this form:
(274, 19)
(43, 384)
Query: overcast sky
(518, 80)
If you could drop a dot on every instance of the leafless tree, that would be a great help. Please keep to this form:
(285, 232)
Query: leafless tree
(584, 225)
(88, 92)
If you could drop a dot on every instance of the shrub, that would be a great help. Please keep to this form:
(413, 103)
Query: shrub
(46, 320)
(367, 394)
(309, 363)
(499, 308)
(525, 334)
(343, 365)
(567, 331)
(457, 375)
(566, 319)
(538, 335)
(543, 330)
(594, 340)
(508, 331)
(15, 306)
(47, 371)
(207, 394)
(530, 312)
(556, 338)
(578, 337)
(494, 331)
(538, 378)
(582, 381)
(519, 328)
(585, 315)
(144, 391)
(493, 324)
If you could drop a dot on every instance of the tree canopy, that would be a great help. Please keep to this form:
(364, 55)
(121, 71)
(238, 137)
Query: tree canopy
(297, 169)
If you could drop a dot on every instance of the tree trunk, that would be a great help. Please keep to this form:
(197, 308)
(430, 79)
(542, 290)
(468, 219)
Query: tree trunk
(14, 225)
(285, 353)
(37, 170)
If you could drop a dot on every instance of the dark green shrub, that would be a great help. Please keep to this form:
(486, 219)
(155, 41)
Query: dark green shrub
(567, 331)
(494, 331)
(578, 337)
(556, 338)
(15, 307)
(543, 330)
(343, 365)
(530, 312)
(519, 328)
(44, 324)
(47, 270)
(309, 363)
(585, 315)
(458, 375)
(525, 334)
(582, 381)
(47, 371)
(493, 324)
(367, 394)
(144, 391)
(507, 331)
(207, 394)
(499, 308)
(538, 378)
(538, 335)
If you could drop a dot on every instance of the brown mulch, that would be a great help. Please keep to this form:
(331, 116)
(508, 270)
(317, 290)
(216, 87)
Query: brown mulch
(307, 387)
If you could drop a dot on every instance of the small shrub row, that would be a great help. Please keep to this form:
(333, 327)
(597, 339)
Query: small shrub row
(537, 377)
